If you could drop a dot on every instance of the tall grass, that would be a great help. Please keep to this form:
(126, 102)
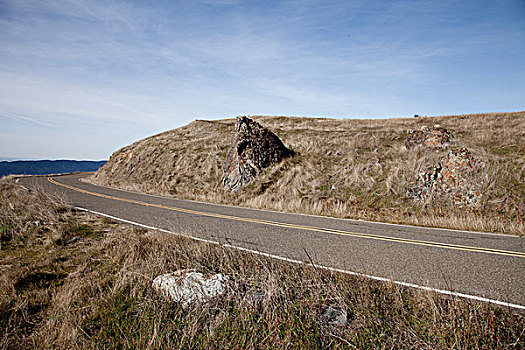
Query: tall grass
(95, 292)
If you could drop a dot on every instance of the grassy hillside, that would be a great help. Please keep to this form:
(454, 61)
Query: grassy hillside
(346, 168)
(71, 280)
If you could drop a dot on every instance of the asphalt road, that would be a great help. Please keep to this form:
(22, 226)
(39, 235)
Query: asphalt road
(477, 264)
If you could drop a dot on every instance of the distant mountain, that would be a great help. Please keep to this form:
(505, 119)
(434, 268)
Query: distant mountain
(45, 167)
(10, 159)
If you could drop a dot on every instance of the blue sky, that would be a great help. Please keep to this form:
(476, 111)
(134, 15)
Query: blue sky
(82, 78)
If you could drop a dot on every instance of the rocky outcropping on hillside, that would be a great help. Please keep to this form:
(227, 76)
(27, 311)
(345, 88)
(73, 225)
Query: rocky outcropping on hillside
(452, 178)
(253, 149)
(429, 136)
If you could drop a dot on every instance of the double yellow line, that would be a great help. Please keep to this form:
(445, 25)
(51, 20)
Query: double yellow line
(301, 227)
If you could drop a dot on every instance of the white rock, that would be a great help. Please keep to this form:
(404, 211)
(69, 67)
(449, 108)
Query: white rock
(189, 286)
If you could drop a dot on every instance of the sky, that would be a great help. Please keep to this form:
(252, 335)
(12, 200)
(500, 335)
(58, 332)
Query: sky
(80, 79)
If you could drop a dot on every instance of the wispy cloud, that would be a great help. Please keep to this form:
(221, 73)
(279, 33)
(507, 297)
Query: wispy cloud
(25, 118)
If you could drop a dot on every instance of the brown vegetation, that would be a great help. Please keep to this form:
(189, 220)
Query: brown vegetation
(349, 168)
(70, 280)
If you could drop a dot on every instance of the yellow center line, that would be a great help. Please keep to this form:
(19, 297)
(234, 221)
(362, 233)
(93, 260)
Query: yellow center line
(301, 227)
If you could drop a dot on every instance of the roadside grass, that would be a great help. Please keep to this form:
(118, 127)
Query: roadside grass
(349, 168)
(95, 292)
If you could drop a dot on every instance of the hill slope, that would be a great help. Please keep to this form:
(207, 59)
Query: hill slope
(44, 167)
(347, 168)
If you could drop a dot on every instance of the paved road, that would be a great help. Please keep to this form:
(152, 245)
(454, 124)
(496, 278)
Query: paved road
(478, 264)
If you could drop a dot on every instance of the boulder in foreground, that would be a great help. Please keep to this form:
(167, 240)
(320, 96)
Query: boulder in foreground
(253, 149)
(189, 286)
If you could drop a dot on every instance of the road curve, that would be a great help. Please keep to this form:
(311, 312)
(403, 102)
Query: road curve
(478, 265)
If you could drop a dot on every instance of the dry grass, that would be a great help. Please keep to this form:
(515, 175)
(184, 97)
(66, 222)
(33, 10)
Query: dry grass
(345, 168)
(95, 292)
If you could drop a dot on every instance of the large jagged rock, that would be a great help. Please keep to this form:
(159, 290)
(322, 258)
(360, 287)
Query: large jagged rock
(452, 177)
(429, 136)
(253, 149)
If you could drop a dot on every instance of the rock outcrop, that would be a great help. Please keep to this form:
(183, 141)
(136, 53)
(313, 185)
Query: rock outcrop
(253, 149)
(189, 286)
(452, 177)
(431, 137)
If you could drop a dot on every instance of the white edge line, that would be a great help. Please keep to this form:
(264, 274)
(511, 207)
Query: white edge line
(507, 235)
(333, 269)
